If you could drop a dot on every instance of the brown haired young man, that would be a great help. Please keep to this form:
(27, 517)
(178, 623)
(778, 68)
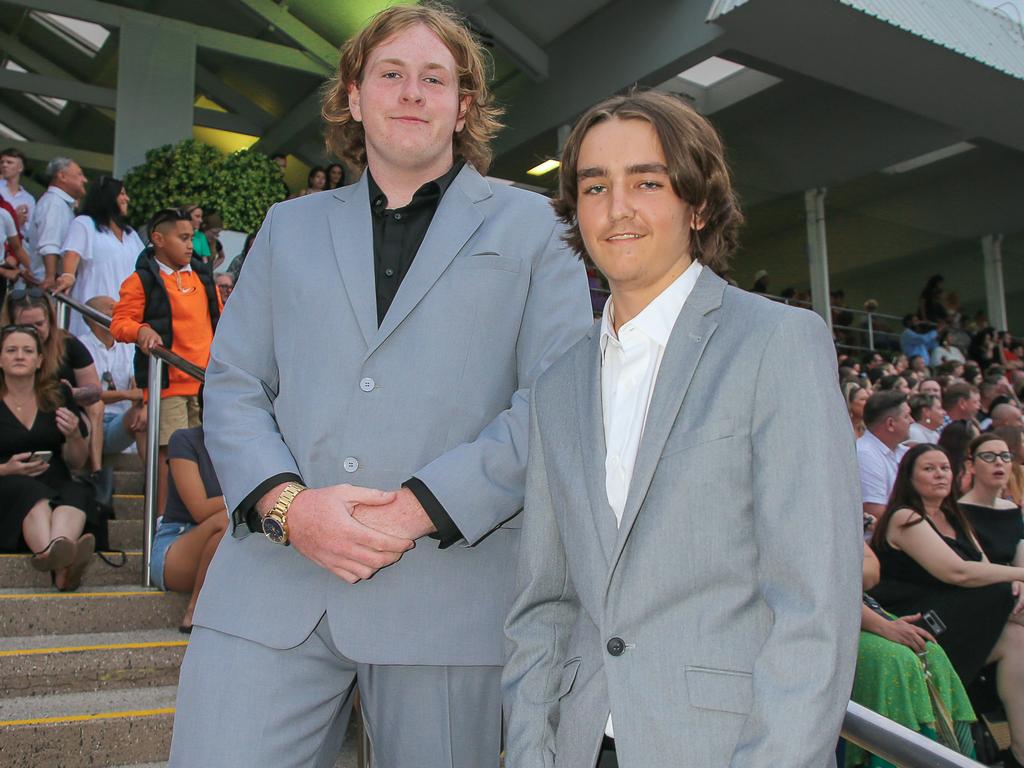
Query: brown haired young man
(399, 357)
(689, 582)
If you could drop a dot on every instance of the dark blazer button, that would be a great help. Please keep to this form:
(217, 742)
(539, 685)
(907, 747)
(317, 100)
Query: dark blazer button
(616, 646)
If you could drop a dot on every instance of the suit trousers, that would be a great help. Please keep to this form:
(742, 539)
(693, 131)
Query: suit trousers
(243, 704)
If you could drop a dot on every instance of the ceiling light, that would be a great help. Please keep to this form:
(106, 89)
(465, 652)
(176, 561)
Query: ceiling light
(931, 157)
(546, 167)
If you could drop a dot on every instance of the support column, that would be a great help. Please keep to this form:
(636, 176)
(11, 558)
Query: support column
(156, 77)
(995, 291)
(817, 253)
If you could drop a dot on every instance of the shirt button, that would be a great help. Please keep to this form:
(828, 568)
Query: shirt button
(350, 464)
(398, 217)
(616, 646)
(366, 385)
(389, 272)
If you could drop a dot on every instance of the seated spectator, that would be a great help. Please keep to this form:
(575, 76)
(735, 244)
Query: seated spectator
(961, 402)
(170, 301)
(892, 383)
(856, 398)
(335, 176)
(760, 282)
(1014, 439)
(919, 365)
(890, 679)
(984, 349)
(926, 410)
(954, 440)
(225, 284)
(997, 521)
(211, 228)
(972, 374)
(930, 387)
(918, 338)
(946, 351)
(124, 418)
(64, 357)
(1006, 415)
(192, 525)
(316, 181)
(44, 510)
(992, 386)
(931, 561)
(880, 448)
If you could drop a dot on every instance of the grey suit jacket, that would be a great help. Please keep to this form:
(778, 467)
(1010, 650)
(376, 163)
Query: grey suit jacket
(302, 380)
(734, 578)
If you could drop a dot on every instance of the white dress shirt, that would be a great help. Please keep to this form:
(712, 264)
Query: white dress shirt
(49, 224)
(106, 262)
(919, 433)
(878, 466)
(21, 197)
(629, 369)
(118, 361)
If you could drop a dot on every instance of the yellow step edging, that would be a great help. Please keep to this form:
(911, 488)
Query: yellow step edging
(57, 595)
(128, 553)
(84, 718)
(81, 648)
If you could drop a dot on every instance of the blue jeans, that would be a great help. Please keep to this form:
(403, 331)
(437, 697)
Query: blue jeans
(116, 437)
(165, 535)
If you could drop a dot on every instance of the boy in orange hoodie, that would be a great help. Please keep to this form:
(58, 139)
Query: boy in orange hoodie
(170, 300)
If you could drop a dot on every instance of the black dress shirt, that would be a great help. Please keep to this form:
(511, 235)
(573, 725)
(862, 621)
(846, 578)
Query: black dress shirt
(397, 235)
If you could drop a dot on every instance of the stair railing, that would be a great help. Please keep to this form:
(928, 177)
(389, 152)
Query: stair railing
(877, 734)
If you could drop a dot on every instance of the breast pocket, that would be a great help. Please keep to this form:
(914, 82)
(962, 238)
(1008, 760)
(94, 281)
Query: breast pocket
(685, 439)
(489, 260)
(722, 690)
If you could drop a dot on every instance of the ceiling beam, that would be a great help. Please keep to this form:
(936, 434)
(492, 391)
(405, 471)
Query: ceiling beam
(225, 121)
(44, 152)
(57, 87)
(222, 93)
(296, 31)
(281, 135)
(23, 125)
(527, 55)
(206, 37)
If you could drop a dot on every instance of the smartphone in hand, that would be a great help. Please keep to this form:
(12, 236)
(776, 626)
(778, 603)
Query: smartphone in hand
(41, 456)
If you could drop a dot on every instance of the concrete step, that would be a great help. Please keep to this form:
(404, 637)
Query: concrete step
(128, 506)
(87, 729)
(131, 481)
(26, 612)
(49, 664)
(125, 534)
(15, 571)
(126, 462)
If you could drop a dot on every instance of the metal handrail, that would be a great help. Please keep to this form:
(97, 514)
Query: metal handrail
(159, 355)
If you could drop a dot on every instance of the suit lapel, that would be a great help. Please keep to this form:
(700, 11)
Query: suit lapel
(352, 236)
(590, 419)
(686, 344)
(456, 220)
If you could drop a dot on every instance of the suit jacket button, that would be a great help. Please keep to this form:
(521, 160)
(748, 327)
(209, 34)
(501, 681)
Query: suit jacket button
(616, 646)
(367, 384)
(350, 464)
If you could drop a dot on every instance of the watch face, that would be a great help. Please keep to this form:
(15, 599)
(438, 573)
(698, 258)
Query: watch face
(273, 529)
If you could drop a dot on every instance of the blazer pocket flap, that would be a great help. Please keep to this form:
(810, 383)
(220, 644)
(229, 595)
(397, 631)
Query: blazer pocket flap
(491, 260)
(682, 439)
(569, 670)
(720, 689)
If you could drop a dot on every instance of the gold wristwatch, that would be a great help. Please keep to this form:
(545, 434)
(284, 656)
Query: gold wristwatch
(275, 522)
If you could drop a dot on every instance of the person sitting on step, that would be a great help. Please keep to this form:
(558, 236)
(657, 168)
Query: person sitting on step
(44, 510)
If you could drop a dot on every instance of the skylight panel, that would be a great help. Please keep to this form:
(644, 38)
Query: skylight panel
(86, 36)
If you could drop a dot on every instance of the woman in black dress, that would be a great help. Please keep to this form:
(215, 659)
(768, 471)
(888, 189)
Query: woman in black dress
(996, 521)
(932, 562)
(43, 510)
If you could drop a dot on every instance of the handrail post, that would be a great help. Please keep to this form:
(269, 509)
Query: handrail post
(156, 370)
(871, 333)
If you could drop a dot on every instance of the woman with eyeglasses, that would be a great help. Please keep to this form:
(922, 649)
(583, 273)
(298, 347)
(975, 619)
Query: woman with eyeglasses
(42, 509)
(932, 563)
(100, 248)
(997, 521)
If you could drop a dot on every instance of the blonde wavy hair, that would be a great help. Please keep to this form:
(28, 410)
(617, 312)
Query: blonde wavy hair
(344, 135)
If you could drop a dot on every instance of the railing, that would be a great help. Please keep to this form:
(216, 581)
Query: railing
(876, 734)
(157, 358)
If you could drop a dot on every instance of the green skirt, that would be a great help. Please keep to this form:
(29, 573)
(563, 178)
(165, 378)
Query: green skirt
(890, 681)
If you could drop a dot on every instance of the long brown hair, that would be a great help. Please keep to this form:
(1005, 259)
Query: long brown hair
(345, 136)
(696, 165)
(905, 496)
(48, 395)
(53, 347)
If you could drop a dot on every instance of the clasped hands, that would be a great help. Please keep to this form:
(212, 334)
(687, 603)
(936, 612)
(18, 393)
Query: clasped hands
(354, 532)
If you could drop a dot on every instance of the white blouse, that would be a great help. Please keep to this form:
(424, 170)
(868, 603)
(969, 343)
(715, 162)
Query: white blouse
(106, 263)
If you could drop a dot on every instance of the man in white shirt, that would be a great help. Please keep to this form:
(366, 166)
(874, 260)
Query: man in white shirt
(690, 564)
(53, 216)
(926, 411)
(124, 418)
(880, 449)
(12, 165)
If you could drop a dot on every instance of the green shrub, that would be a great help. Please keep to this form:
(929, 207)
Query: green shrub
(240, 187)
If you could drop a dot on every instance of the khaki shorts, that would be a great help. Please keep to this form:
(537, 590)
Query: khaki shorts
(177, 413)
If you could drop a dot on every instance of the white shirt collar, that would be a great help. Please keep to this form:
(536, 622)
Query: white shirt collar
(657, 319)
(168, 271)
(872, 439)
(62, 195)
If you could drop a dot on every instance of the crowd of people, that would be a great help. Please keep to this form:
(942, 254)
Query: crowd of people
(72, 399)
(940, 456)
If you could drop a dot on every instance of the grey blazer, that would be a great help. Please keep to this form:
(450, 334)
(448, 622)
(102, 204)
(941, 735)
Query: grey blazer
(302, 380)
(733, 582)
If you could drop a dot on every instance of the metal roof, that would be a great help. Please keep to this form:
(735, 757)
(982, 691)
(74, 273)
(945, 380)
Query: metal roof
(975, 32)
